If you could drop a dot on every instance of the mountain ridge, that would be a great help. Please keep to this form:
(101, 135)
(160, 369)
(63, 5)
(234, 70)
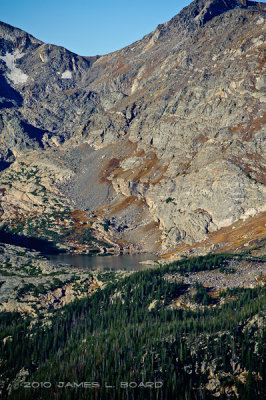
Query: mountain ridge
(193, 11)
(143, 136)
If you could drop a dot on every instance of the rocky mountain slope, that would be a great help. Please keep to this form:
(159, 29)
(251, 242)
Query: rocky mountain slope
(159, 146)
(31, 285)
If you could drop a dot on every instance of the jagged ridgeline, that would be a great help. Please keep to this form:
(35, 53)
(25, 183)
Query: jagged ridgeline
(156, 147)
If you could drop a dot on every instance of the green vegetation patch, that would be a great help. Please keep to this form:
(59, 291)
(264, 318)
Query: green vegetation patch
(201, 296)
(202, 263)
(169, 200)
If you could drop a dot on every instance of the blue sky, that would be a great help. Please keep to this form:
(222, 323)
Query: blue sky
(89, 27)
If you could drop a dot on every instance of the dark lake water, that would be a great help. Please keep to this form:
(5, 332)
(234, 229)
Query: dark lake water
(105, 263)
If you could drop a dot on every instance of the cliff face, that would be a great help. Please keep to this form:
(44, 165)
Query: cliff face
(162, 140)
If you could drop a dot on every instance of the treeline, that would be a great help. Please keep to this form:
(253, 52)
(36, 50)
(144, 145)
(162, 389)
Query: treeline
(127, 334)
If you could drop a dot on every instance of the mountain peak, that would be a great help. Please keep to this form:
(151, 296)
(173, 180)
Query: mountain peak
(198, 13)
(202, 11)
(16, 38)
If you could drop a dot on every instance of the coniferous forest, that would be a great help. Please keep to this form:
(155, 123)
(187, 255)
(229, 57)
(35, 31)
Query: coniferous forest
(114, 345)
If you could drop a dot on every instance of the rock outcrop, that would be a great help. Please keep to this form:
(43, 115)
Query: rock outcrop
(31, 284)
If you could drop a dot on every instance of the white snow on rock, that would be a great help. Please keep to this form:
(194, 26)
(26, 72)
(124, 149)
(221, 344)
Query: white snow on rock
(66, 75)
(15, 74)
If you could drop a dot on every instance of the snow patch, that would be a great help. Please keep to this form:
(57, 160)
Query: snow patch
(15, 74)
(66, 75)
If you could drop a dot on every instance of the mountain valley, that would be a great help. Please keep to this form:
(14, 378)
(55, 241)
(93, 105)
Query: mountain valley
(155, 148)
